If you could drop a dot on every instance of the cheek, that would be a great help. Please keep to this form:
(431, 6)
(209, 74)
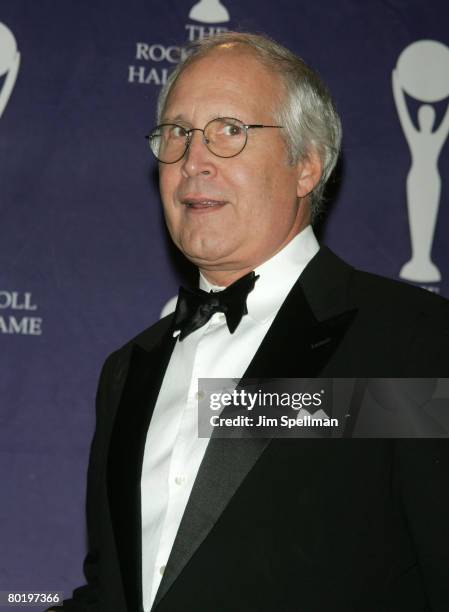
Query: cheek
(274, 203)
(258, 194)
(253, 188)
(168, 183)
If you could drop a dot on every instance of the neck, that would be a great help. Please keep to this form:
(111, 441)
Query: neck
(224, 278)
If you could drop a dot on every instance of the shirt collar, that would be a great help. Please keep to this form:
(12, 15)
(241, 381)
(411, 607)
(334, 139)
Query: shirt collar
(277, 276)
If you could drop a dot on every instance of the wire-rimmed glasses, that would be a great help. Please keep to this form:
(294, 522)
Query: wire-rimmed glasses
(223, 136)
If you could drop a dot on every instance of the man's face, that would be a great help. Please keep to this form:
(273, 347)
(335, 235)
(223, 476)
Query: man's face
(229, 215)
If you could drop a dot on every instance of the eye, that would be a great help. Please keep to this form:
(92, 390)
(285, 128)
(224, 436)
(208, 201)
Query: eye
(231, 129)
(176, 131)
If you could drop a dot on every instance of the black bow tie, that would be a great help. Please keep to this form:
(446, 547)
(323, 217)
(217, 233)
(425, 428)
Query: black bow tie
(196, 307)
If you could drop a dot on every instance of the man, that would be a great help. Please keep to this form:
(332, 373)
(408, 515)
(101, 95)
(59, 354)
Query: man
(247, 138)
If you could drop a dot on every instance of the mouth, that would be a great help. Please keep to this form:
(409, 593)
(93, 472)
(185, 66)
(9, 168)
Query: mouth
(202, 204)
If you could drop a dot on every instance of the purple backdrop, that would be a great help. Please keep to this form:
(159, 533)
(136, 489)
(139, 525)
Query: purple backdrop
(86, 263)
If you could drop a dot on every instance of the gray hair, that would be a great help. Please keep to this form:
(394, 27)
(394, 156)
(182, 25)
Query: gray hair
(307, 112)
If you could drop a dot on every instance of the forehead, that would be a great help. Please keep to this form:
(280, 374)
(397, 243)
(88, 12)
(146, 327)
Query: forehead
(226, 82)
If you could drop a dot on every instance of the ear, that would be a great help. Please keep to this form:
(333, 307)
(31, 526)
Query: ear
(309, 172)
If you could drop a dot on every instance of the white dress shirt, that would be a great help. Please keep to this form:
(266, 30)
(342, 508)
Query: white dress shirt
(173, 451)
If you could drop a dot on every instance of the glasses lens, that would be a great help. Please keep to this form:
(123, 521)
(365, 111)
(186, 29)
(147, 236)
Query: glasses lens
(225, 137)
(168, 142)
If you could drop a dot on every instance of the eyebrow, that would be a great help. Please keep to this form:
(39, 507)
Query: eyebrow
(180, 118)
(175, 119)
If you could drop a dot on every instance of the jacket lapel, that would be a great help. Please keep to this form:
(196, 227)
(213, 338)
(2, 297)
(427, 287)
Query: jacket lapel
(299, 344)
(225, 465)
(148, 362)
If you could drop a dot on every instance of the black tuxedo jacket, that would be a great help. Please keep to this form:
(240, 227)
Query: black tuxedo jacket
(307, 525)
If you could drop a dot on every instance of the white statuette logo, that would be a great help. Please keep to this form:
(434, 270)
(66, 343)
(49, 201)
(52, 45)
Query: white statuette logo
(209, 11)
(169, 307)
(9, 64)
(422, 72)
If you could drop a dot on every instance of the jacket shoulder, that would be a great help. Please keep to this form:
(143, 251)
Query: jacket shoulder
(397, 295)
(145, 339)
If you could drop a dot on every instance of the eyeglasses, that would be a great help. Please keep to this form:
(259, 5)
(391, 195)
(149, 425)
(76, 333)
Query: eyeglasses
(224, 137)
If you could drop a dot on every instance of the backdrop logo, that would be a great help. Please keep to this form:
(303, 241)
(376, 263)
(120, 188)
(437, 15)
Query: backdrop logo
(422, 72)
(209, 11)
(169, 307)
(9, 64)
(153, 60)
(17, 314)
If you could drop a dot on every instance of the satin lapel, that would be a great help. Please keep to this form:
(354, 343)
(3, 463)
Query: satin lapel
(297, 345)
(144, 379)
(225, 466)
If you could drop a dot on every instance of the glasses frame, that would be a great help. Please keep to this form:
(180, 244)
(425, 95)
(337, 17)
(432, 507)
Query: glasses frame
(189, 132)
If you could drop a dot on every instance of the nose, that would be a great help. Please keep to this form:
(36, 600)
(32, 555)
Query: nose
(198, 159)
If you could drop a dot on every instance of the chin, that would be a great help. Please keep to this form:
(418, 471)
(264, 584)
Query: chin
(201, 252)
(208, 259)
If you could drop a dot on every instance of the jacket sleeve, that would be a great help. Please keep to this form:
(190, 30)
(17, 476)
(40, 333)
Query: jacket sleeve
(86, 597)
(422, 472)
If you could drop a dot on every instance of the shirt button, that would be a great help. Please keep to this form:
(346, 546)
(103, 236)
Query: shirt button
(162, 570)
(180, 480)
